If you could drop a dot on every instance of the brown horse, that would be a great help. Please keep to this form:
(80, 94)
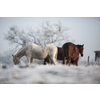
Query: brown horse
(71, 53)
(62, 53)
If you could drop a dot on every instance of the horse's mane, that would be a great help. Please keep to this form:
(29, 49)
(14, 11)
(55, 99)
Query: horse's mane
(28, 45)
(22, 48)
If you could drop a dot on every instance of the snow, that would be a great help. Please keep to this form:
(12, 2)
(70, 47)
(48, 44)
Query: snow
(49, 74)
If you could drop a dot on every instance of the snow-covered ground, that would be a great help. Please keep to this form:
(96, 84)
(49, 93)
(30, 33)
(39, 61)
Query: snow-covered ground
(50, 74)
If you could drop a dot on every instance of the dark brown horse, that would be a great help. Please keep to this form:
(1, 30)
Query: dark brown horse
(71, 53)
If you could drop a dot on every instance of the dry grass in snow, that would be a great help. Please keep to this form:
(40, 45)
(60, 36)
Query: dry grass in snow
(50, 74)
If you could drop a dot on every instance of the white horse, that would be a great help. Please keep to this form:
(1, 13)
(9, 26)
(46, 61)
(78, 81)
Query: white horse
(38, 52)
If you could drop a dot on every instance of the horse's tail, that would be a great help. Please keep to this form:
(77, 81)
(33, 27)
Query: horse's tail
(56, 54)
(65, 49)
(53, 58)
(65, 53)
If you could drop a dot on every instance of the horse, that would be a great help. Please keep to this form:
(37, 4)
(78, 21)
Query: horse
(71, 53)
(59, 56)
(38, 52)
(61, 53)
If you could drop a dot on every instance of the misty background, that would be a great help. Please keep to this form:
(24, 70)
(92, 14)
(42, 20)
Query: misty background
(82, 30)
(86, 33)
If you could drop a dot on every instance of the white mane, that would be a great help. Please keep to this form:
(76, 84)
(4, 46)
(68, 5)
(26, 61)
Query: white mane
(23, 48)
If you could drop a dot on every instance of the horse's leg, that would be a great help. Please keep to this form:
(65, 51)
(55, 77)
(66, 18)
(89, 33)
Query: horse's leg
(50, 60)
(53, 60)
(73, 62)
(46, 60)
(31, 60)
(55, 57)
(64, 60)
(69, 61)
(28, 60)
(77, 61)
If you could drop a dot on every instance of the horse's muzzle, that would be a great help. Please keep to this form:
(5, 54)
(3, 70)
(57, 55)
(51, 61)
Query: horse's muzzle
(82, 55)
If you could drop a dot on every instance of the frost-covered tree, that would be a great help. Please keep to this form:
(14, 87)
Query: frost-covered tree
(17, 37)
(45, 33)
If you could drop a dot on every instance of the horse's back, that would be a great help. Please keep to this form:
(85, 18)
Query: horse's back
(39, 52)
(51, 47)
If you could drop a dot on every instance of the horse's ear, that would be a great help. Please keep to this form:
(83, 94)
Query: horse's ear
(13, 55)
(83, 44)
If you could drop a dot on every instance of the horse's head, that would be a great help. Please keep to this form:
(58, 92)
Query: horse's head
(80, 47)
(16, 60)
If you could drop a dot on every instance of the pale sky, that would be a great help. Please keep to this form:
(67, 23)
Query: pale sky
(84, 30)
